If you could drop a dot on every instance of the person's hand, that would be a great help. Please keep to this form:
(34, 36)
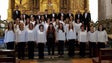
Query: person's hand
(105, 43)
(56, 41)
(16, 43)
(87, 43)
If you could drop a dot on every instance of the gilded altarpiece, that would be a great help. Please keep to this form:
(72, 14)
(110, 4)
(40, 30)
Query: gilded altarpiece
(79, 5)
(49, 5)
(65, 5)
(33, 6)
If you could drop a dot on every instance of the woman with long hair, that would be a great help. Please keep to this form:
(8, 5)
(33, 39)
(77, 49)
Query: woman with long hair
(83, 40)
(61, 40)
(41, 40)
(30, 39)
(9, 37)
(51, 37)
(71, 37)
(102, 37)
(92, 38)
(21, 41)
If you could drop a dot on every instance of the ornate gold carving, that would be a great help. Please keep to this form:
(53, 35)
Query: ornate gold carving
(32, 6)
(9, 14)
(50, 5)
(23, 4)
(79, 5)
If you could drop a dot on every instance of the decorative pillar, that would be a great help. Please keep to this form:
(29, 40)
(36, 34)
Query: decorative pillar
(9, 11)
(87, 5)
(34, 4)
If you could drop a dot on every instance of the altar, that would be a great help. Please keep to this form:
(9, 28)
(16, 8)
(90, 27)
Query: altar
(33, 6)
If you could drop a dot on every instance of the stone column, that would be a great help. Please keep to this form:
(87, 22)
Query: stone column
(104, 9)
(108, 6)
(101, 9)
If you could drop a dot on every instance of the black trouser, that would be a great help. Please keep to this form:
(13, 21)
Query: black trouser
(71, 48)
(93, 49)
(31, 49)
(82, 49)
(21, 50)
(87, 25)
(10, 45)
(50, 46)
(100, 45)
(41, 50)
(76, 41)
(60, 47)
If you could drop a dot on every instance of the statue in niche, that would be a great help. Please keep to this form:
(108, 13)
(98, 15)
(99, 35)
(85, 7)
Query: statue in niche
(20, 1)
(49, 5)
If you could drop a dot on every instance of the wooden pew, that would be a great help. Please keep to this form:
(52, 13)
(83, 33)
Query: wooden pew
(105, 54)
(7, 55)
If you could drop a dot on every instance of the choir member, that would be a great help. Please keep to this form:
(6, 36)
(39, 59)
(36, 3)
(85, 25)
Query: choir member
(62, 20)
(53, 15)
(87, 19)
(77, 26)
(71, 37)
(32, 20)
(72, 20)
(30, 39)
(16, 24)
(32, 15)
(38, 16)
(25, 16)
(51, 37)
(41, 41)
(27, 22)
(61, 14)
(9, 37)
(78, 15)
(69, 14)
(83, 40)
(102, 37)
(21, 18)
(46, 25)
(66, 25)
(16, 13)
(53, 20)
(36, 27)
(56, 24)
(21, 41)
(61, 40)
(46, 15)
(92, 38)
(42, 21)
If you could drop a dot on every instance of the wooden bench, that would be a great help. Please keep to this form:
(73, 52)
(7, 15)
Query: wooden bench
(105, 54)
(7, 55)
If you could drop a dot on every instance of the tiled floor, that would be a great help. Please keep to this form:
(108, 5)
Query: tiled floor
(83, 60)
